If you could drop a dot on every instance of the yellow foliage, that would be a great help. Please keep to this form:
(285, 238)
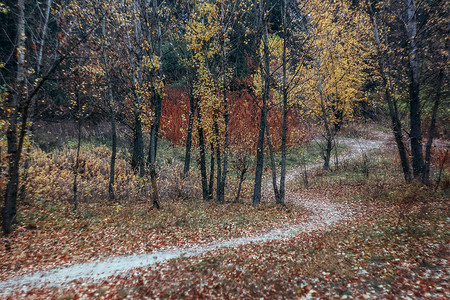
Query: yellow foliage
(337, 42)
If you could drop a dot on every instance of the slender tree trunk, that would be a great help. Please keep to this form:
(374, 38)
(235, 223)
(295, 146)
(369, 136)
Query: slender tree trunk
(187, 156)
(329, 136)
(112, 164)
(153, 178)
(265, 81)
(414, 109)
(9, 210)
(241, 180)
(397, 130)
(22, 193)
(221, 195)
(285, 109)
(426, 173)
(327, 150)
(336, 156)
(112, 119)
(222, 180)
(77, 158)
(219, 176)
(201, 141)
(272, 163)
(137, 160)
(156, 103)
(211, 175)
(26, 166)
(44, 32)
(393, 112)
(259, 160)
(219, 162)
(154, 129)
(153, 147)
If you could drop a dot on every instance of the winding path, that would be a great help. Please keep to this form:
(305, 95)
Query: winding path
(324, 214)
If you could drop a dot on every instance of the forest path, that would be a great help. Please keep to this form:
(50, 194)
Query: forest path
(324, 214)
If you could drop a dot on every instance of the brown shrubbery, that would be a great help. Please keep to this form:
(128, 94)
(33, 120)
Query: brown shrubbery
(51, 177)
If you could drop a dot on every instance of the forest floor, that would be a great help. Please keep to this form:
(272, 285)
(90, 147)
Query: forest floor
(333, 240)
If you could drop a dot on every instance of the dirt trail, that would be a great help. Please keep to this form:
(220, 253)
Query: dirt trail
(324, 214)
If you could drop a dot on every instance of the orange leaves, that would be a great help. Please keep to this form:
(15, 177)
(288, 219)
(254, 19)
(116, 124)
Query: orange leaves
(174, 106)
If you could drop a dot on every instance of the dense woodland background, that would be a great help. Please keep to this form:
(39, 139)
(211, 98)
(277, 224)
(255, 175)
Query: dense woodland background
(126, 100)
(139, 126)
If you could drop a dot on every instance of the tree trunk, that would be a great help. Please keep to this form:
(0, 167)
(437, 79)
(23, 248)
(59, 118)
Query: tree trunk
(187, 156)
(272, 163)
(397, 130)
(329, 136)
(221, 195)
(201, 141)
(22, 194)
(112, 119)
(241, 180)
(336, 156)
(284, 124)
(327, 151)
(259, 160)
(9, 210)
(265, 77)
(77, 158)
(393, 112)
(211, 175)
(44, 32)
(414, 108)
(426, 173)
(137, 160)
(221, 186)
(151, 161)
(154, 129)
(219, 162)
(112, 164)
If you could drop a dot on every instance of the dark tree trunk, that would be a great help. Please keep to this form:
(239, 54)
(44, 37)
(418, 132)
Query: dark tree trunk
(156, 105)
(221, 186)
(26, 165)
(112, 165)
(222, 180)
(151, 161)
(187, 156)
(221, 195)
(259, 160)
(77, 158)
(211, 175)
(113, 153)
(327, 150)
(414, 101)
(272, 163)
(137, 160)
(22, 194)
(154, 129)
(153, 179)
(241, 180)
(219, 162)
(265, 96)
(336, 156)
(201, 141)
(392, 105)
(112, 118)
(426, 173)
(285, 108)
(9, 210)
(397, 130)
